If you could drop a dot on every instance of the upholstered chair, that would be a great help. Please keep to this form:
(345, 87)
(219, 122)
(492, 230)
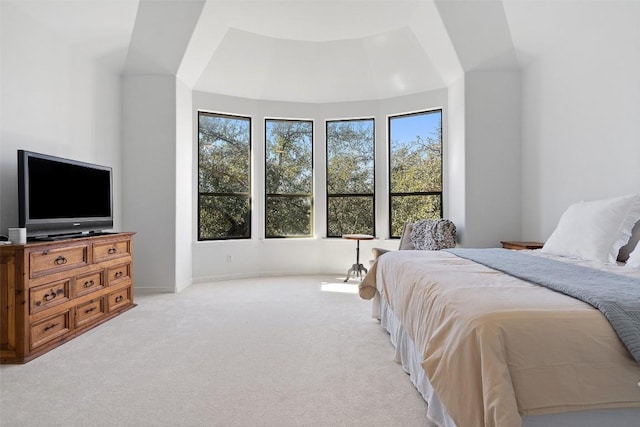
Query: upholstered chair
(425, 234)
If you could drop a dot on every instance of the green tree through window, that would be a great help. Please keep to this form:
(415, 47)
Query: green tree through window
(288, 178)
(415, 168)
(224, 177)
(350, 177)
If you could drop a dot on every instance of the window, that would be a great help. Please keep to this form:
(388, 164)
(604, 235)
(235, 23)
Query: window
(415, 168)
(350, 177)
(288, 178)
(224, 177)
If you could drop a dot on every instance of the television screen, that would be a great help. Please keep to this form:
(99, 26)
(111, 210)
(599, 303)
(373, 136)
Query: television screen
(59, 195)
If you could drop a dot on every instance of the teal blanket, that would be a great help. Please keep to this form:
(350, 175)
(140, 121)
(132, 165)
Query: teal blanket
(616, 296)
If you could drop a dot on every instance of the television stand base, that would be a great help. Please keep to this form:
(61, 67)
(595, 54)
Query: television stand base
(64, 236)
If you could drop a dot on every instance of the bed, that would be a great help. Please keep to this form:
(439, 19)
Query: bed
(487, 348)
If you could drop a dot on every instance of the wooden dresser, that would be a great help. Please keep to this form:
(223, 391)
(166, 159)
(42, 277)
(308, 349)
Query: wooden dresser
(51, 292)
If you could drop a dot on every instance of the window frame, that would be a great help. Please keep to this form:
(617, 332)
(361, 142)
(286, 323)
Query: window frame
(248, 195)
(391, 194)
(345, 195)
(292, 195)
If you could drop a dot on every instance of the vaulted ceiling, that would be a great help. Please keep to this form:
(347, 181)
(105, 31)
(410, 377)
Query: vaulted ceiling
(300, 51)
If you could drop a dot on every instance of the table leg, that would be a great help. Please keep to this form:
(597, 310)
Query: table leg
(356, 268)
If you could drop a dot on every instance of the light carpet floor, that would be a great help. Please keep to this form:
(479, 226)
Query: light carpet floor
(292, 351)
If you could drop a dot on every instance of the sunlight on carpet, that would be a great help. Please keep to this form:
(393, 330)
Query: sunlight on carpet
(341, 286)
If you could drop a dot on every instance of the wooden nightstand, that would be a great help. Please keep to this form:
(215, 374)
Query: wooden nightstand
(521, 245)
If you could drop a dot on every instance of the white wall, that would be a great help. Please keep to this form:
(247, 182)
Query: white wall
(492, 158)
(580, 107)
(260, 256)
(58, 102)
(485, 157)
(149, 190)
(456, 145)
(184, 228)
(55, 101)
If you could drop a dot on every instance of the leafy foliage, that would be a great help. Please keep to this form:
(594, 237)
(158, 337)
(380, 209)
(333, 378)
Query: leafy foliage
(224, 217)
(350, 215)
(224, 177)
(288, 216)
(413, 208)
(415, 176)
(288, 178)
(350, 157)
(350, 177)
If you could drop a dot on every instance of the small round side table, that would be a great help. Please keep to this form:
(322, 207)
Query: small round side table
(357, 268)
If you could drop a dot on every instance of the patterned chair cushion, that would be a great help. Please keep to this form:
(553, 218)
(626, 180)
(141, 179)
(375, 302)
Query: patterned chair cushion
(433, 234)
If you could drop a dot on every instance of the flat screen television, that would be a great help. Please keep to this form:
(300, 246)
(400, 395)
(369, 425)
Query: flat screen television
(61, 197)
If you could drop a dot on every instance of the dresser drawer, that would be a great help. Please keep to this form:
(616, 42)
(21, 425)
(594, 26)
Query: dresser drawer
(50, 329)
(49, 261)
(49, 295)
(111, 250)
(119, 299)
(89, 311)
(88, 283)
(118, 273)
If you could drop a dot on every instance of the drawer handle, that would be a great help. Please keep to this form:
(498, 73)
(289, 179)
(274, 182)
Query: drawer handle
(60, 260)
(112, 251)
(51, 326)
(118, 275)
(49, 297)
(119, 298)
(89, 310)
(89, 284)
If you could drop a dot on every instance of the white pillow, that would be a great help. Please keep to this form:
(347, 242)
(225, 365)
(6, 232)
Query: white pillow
(595, 230)
(634, 258)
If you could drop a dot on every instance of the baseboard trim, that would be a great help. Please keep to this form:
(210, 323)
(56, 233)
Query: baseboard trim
(209, 279)
(212, 279)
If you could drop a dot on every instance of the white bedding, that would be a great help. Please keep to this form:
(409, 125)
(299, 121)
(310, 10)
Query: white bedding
(409, 357)
(412, 354)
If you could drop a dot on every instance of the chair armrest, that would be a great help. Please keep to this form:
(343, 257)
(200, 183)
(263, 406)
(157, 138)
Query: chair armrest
(378, 251)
